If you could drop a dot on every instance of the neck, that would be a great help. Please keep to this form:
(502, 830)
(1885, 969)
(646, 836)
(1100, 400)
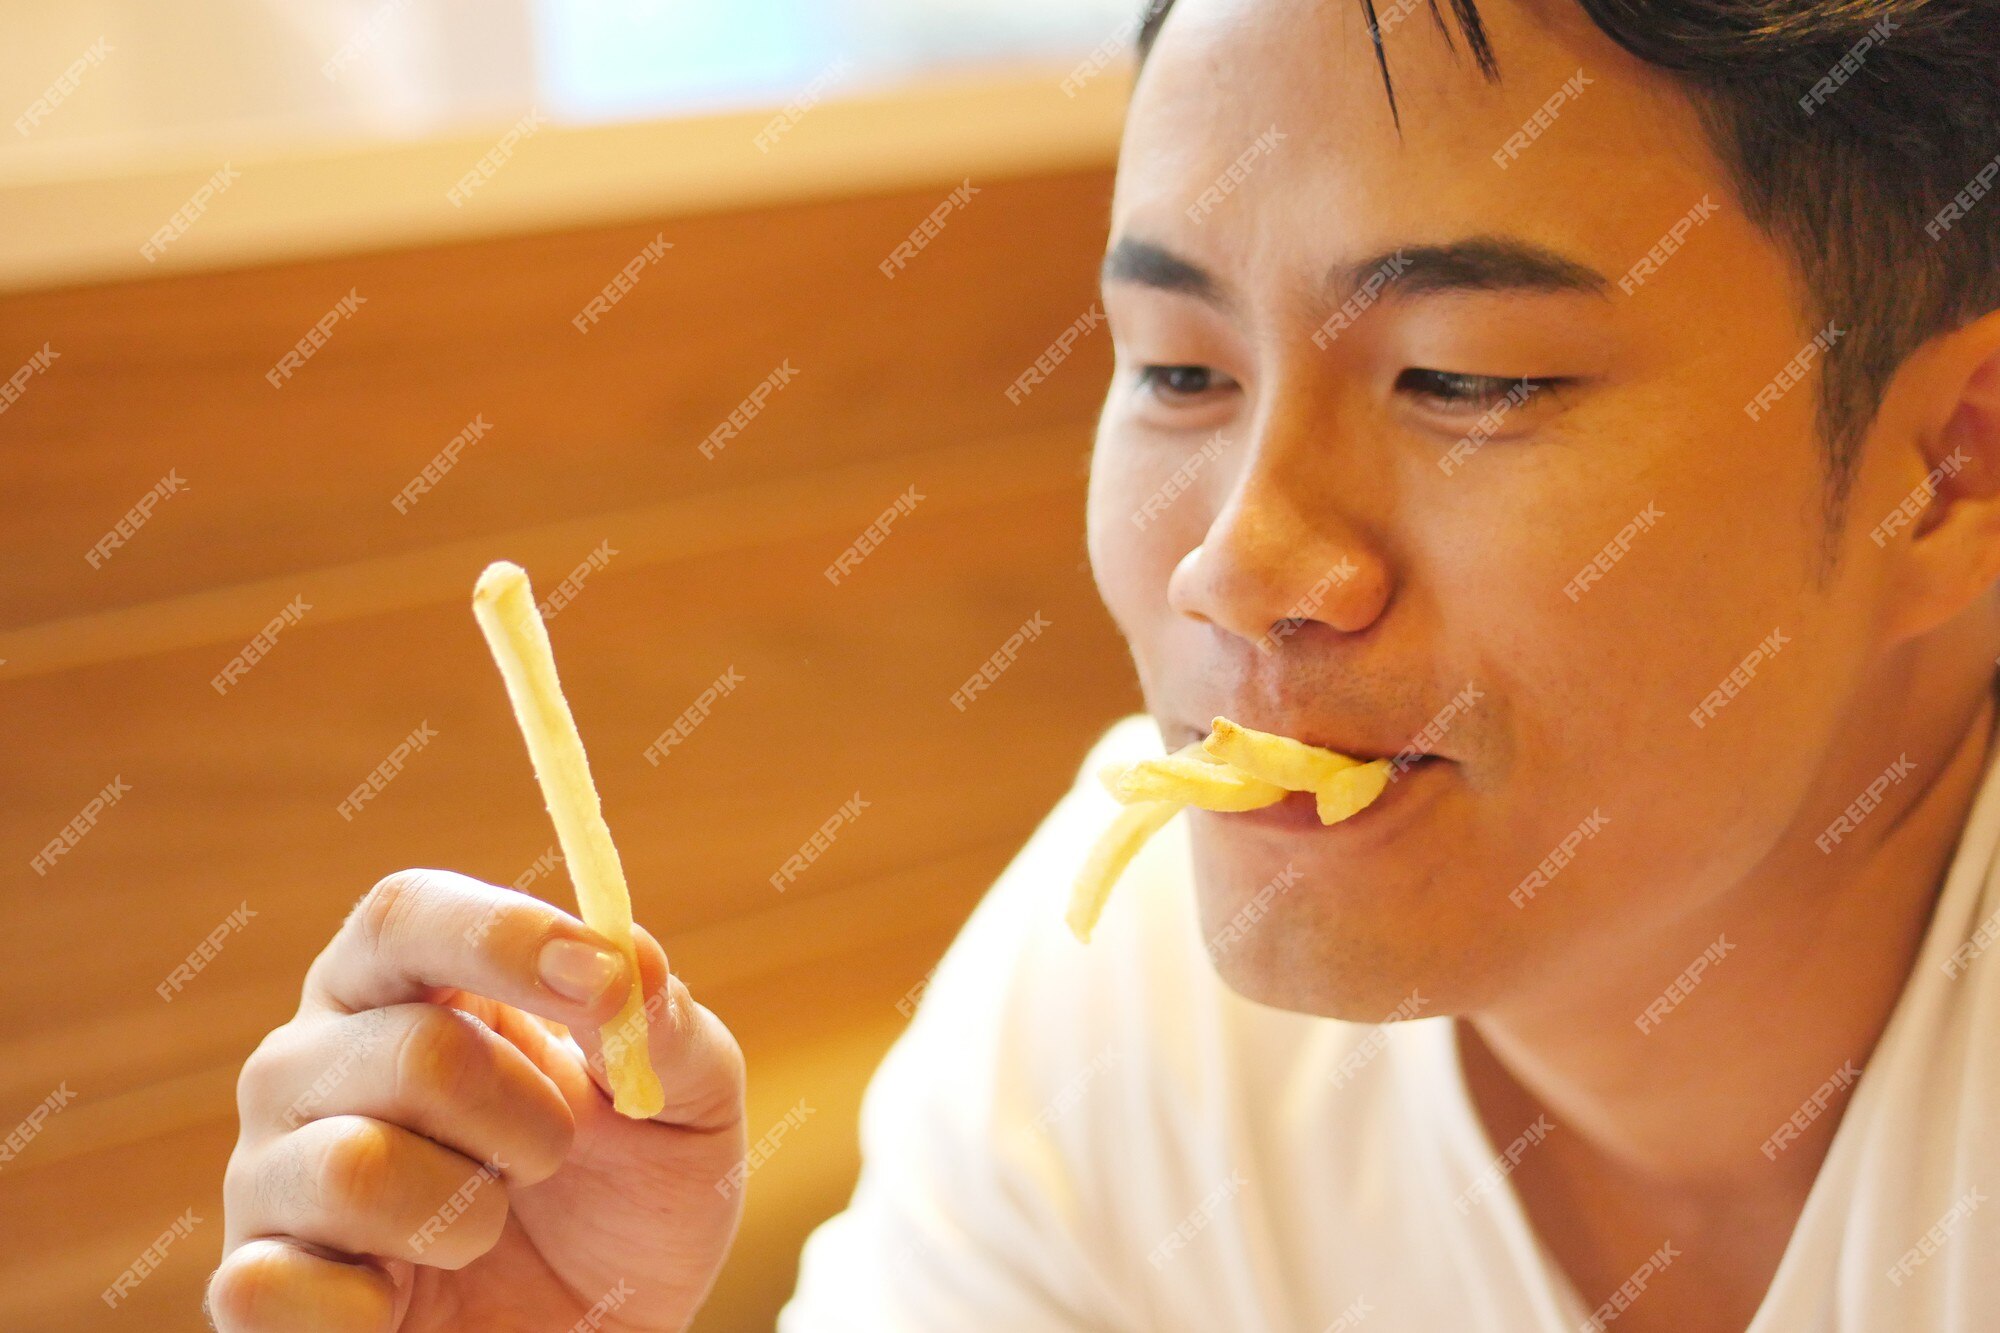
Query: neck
(1700, 1105)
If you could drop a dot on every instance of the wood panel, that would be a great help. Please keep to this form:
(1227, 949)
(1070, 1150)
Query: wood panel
(169, 375)
(233, 797)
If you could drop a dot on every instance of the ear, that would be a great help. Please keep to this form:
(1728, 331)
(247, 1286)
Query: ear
(1944, 531)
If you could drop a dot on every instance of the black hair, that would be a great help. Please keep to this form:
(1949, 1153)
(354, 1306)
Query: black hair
(1856, 182)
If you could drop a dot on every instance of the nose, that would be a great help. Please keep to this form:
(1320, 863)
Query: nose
(1274, 562)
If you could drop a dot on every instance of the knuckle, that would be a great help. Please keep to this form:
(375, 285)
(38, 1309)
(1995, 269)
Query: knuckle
(362, 1036)
(259, 1083)
(237, 1289)
(251, 1281)
(265, 1285)
(356, 1169)
(239, 1178)
(442, 1058)
(272, 1188)
(383, 910)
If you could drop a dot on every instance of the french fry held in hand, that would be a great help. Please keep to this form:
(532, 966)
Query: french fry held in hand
(1234, 768)
(506, 611)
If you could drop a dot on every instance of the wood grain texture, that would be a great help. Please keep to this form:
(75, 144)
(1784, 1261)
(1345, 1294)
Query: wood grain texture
(715, 565)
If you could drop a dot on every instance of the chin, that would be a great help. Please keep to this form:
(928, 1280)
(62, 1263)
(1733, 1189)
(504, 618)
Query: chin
(1284, 933)
(1294, 966)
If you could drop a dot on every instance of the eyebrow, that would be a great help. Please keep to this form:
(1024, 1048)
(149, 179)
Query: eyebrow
(1474, 264)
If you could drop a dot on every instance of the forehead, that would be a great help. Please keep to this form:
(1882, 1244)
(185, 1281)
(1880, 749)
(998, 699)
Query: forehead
(1266, 122)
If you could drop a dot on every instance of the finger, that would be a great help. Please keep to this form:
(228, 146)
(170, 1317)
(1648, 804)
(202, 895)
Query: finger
(432, 1069)
(698, 1061)
(366, 1187)
(420, 934)
(273, 1286)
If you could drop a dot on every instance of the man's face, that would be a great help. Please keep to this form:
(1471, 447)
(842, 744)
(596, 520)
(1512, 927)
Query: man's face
(1338, 536)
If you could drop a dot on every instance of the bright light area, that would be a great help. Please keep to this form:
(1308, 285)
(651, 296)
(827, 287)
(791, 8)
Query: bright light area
(617, 59)
(128, 75)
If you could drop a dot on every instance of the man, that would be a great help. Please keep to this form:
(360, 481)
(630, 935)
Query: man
(1607, 410)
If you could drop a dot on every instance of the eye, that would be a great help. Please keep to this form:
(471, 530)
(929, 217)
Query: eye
(1453, 390)
(1181, 384)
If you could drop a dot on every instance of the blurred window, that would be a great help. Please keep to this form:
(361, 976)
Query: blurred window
(128, 75)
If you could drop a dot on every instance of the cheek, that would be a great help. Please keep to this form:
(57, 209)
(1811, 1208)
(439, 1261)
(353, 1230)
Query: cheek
(1605, 622)
(1138, 532)
(1609, 577)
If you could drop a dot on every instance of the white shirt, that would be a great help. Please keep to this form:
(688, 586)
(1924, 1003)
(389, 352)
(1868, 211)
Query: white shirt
(1108, 1138)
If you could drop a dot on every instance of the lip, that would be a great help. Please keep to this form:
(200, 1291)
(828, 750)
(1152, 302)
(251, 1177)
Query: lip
(1187, 734)
(1298, 813)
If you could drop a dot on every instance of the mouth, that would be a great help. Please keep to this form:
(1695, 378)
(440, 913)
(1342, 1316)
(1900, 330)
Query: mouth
(1410, 787)
(1401, 761)
(1413, 779)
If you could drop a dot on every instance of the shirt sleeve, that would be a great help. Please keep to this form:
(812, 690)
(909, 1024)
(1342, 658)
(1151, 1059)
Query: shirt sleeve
(966, 1218)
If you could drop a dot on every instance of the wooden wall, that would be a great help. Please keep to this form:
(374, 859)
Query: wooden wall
(105, 673)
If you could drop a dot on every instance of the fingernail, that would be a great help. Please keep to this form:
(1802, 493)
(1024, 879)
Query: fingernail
(578, 971)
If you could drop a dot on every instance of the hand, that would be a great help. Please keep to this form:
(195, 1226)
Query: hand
(425, 1147)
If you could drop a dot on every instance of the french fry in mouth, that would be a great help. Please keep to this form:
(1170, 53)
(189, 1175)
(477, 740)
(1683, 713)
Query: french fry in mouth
(1112, 775)
(1192, 781)
(1290, 764)
(1129, 830)
(1350, 790)
(1115, 773)
(1234, 768)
